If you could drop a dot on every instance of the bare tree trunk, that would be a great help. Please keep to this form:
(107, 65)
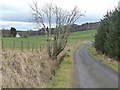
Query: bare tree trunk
(62, 19)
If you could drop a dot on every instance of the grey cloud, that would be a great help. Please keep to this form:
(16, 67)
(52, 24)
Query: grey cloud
(16, 16)
(17, 25)
(8, 8)
(11, 13)
(88, 18)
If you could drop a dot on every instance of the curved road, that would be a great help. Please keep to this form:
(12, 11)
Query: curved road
(90, 73)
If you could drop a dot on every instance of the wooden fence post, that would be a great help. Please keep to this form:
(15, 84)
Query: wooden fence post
(32, 46)
(28, 46)
(43, 46)
(37, 47)
(40, 47)
(2, 43)
(13, 44)
(22, 46)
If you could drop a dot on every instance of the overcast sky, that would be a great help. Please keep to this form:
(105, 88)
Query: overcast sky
(17, 13)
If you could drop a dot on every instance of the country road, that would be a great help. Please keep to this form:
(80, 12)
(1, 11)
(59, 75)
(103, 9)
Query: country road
(90, 73)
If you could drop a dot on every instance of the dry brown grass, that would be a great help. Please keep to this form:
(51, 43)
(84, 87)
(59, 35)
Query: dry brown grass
(31, 69)
(27, 69)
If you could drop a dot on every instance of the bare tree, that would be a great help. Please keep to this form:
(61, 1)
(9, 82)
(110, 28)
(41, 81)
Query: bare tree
(62, 19)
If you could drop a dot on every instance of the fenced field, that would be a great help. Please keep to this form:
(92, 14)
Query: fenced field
(39, 42)
(30, 43)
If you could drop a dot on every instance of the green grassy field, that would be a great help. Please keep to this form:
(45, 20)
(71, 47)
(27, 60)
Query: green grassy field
(38, 41)
(81, 36)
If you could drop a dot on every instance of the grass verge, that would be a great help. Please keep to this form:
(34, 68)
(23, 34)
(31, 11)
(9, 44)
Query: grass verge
(63, 76)
(103, 59)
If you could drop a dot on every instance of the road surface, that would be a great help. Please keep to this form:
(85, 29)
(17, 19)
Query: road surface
(90, 73)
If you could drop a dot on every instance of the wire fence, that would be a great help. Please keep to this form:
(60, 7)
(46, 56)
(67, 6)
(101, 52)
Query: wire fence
(22, 45)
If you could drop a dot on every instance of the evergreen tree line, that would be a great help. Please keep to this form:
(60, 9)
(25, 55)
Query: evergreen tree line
(107, 39)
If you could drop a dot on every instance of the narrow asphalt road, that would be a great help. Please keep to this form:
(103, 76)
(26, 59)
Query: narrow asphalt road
(90, 73)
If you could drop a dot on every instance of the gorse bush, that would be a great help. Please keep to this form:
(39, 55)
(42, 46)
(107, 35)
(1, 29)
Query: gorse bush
(107, 39)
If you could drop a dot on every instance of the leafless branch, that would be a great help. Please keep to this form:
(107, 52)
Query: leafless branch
(62, 20)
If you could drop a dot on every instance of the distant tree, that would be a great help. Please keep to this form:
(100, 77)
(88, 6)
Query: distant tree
(13, 32)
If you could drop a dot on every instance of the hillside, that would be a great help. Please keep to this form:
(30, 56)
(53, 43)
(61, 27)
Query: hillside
(74, 28)
(39, 41)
